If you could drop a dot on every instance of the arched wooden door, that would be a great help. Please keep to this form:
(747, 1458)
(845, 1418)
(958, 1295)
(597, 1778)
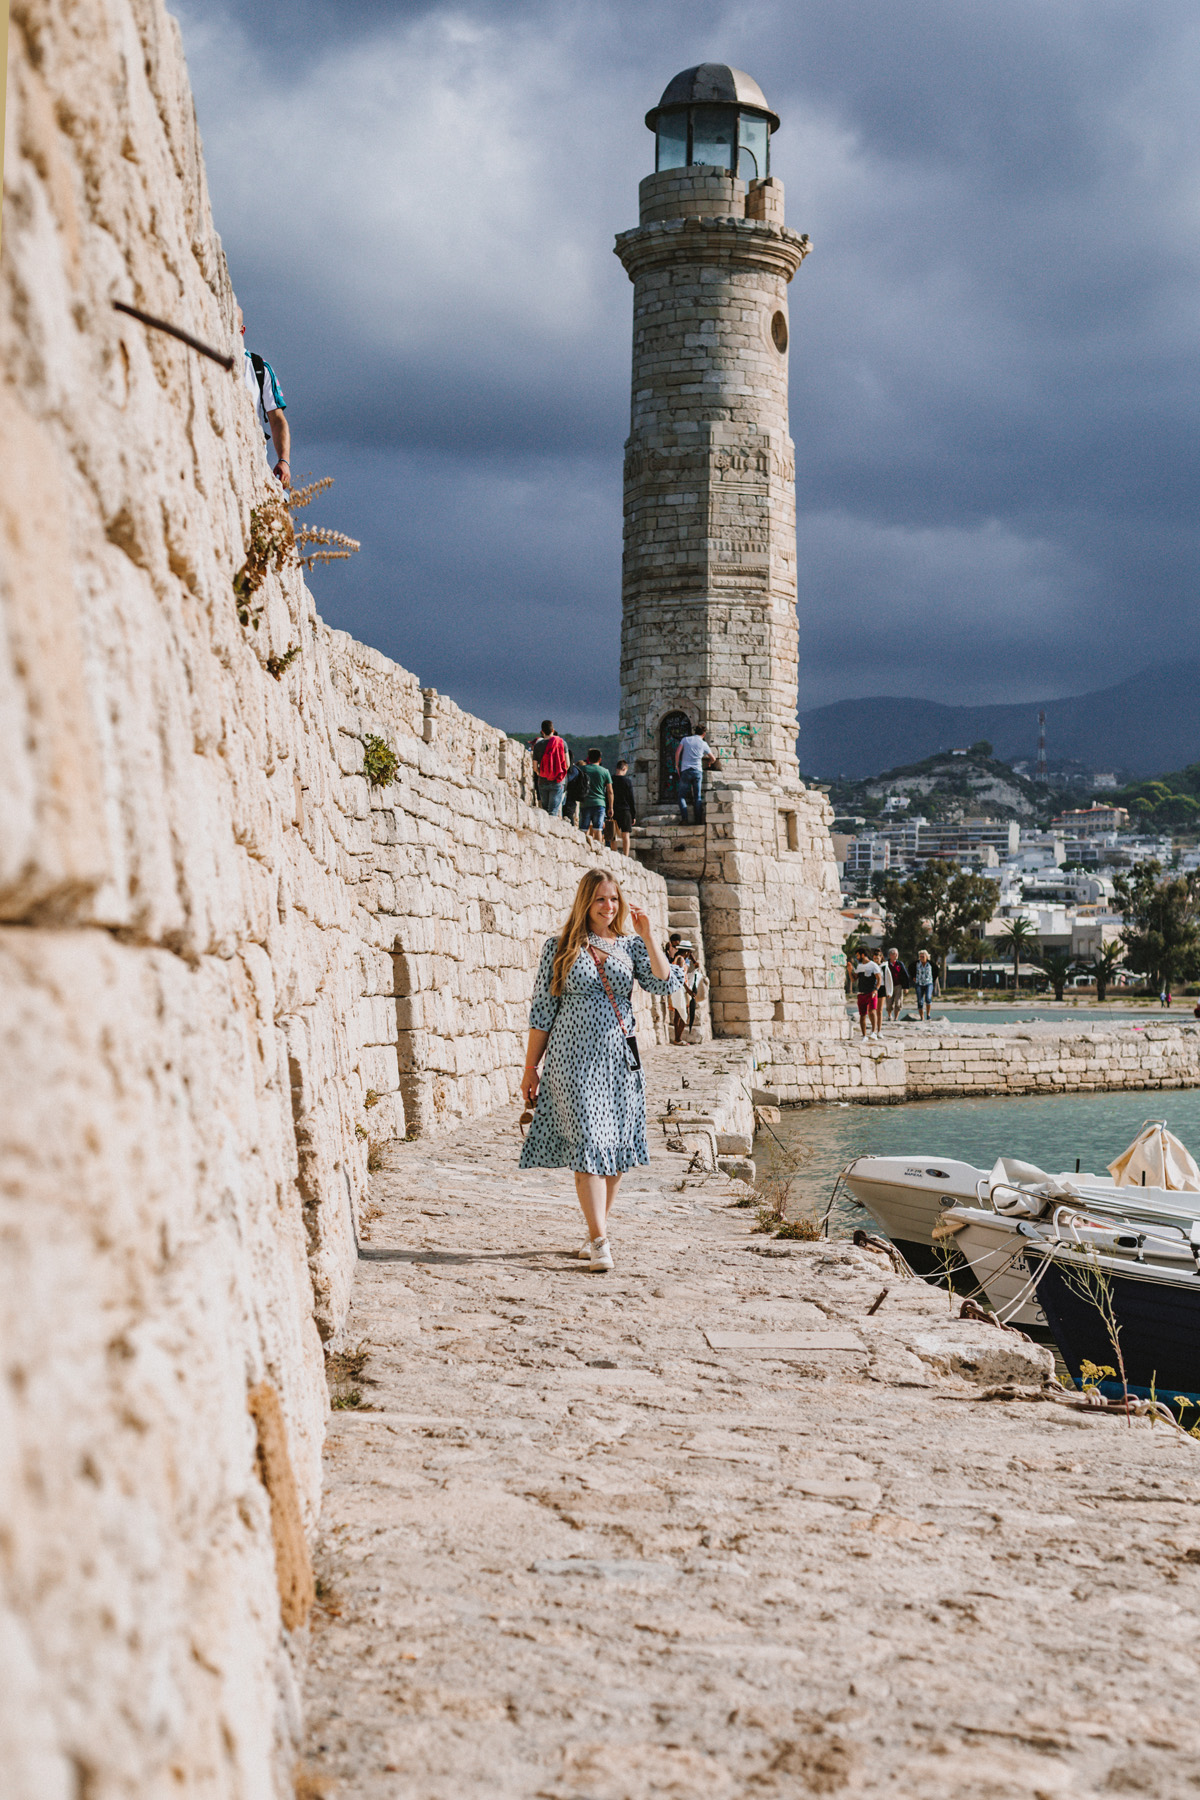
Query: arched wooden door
(674, 728)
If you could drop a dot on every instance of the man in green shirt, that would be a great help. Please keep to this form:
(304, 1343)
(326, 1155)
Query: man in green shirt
(597, 798)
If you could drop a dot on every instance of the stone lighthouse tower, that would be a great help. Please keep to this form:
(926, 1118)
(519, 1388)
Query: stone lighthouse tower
(709, 628)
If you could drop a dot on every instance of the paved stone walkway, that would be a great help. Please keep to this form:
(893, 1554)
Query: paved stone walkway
(705, 1528)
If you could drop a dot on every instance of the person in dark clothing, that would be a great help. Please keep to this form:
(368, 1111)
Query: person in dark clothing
(574, 791)
(624, 806)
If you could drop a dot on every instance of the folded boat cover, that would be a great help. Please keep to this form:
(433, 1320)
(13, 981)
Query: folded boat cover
(1158, 1154)
(1022, 1190)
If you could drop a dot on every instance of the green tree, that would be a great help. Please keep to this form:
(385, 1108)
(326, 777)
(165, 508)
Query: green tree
(1101, 967)
(982, 748)
(1020, 938)
(975, 949)
(1161, 933)
(935, 909)
(1058, 965)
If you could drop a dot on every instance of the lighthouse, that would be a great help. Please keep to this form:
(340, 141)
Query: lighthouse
(709, 628)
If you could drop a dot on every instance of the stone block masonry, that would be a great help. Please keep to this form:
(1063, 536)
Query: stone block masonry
(228, 964)
(911, 1065)
(709, 625)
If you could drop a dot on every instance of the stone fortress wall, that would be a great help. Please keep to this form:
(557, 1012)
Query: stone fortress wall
(227, 963)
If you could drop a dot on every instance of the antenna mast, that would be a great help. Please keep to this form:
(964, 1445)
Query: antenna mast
(1041, 756)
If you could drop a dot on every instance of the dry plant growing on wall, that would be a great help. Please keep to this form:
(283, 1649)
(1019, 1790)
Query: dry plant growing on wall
(275, 543)
(327, 545)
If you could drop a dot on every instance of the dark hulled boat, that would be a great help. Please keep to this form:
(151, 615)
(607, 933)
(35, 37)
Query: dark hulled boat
(1157, 1311)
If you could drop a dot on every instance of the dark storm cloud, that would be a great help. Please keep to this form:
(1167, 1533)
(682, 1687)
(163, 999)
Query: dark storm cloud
(994, 387)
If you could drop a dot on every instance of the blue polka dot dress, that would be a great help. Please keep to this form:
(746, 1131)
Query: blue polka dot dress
(591, 1106)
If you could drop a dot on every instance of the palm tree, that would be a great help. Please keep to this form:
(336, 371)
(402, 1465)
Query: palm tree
(1020, 937)
(1101, 967)
(1058, 965)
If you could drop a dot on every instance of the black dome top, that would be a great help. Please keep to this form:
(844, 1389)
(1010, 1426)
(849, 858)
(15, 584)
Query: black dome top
(713, 84)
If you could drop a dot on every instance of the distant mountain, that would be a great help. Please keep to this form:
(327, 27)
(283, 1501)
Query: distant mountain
(1146, 723)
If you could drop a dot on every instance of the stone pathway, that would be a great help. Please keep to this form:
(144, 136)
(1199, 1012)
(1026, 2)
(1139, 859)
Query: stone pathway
(706, 1528)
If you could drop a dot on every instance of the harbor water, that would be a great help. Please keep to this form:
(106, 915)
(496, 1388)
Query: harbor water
(811, 1145)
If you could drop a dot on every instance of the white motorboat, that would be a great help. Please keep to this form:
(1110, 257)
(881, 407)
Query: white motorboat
(924, 1203)
(909, 1194)
(994, 1248)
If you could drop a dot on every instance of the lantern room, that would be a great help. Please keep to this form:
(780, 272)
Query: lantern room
(715, 116)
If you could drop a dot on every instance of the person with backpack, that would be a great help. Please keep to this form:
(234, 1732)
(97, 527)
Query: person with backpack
(551, 761)
(262, 384)
(575, 789)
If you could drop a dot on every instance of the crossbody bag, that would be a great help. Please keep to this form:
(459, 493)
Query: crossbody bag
(632, 1054)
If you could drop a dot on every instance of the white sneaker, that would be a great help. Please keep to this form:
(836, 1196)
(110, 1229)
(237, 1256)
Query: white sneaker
(585, 1254)
(600, 1254)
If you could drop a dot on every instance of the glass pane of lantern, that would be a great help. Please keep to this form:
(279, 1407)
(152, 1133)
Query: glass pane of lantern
(672, 141)
(712, 135)
(752, 142)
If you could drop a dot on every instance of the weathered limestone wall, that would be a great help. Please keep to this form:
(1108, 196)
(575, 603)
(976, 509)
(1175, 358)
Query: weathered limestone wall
(996, 1060)
(226, 962)
(770, 906)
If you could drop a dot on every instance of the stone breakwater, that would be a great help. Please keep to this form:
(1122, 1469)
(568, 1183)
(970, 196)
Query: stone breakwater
(722, 1523)
(912, 1063)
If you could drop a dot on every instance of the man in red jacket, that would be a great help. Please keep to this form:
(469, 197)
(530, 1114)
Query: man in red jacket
(551, 761)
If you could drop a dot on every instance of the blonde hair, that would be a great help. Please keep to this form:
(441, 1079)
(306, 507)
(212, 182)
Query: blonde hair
(574, 933)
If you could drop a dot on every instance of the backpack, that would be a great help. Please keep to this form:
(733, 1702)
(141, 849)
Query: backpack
(554, 762)
(260, 373)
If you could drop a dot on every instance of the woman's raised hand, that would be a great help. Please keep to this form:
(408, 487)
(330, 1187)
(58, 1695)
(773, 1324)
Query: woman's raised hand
(642, 925)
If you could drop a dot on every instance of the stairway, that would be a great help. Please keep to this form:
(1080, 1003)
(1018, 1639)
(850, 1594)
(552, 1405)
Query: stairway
(683, 910)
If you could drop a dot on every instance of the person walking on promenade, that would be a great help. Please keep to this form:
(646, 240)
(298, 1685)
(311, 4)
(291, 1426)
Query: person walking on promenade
(597, 798)
(897, 980)
(868, 979)
(923, 984)
(624, 805)
(690, 753)
(551, 761)
(575, 789)
(589, 1100)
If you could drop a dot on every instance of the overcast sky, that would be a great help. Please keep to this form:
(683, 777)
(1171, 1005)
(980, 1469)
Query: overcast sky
(994, 343)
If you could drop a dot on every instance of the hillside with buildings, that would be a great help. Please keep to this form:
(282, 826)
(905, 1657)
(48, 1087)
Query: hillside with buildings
(949, 786)
(1056, 871)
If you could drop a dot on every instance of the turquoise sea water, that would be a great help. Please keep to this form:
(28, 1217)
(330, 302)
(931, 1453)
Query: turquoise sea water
(813, 1144)
(1049, 1015)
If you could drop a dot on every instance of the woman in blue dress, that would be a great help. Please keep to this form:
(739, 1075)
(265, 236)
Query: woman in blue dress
(590, 1096)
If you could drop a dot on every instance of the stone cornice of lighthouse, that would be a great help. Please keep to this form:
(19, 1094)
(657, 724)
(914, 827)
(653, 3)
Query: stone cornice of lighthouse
(717, 239)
